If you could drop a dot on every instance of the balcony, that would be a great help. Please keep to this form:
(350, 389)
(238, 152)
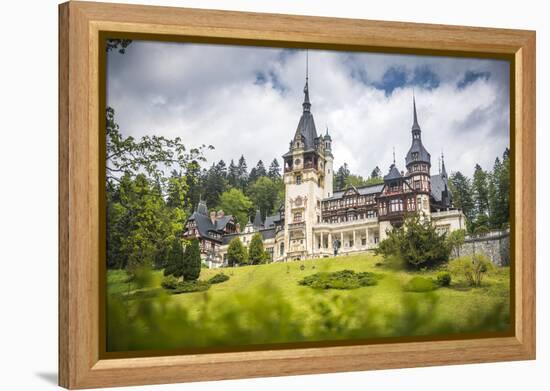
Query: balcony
(296, 225)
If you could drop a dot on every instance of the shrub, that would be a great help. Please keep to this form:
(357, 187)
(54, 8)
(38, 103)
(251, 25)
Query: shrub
(218, 278)
(443, 278)
(190, 286)
(192, 261)
(169, 282)
(472, 268)
(417, 243)
(343, 279)
(236, 252)
(420, 284)
(256, 252)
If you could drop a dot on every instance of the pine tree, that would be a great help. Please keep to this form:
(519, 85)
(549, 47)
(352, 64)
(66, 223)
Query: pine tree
(222, 169)
(461, 189)
(192, 261)
(214, 186)
(480, 191)
(260, 169)
(376, 173)
(341, 176)
(174, 261)
(256, 252)
(232, 175)
(242, 171)
(274, 170)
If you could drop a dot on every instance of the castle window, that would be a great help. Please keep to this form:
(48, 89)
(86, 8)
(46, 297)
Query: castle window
(415, 155)
(298, 179)
(297, 216)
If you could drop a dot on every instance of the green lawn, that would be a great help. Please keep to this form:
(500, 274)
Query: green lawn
(384, 309)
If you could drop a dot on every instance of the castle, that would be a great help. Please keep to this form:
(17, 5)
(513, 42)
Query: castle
(316, 222)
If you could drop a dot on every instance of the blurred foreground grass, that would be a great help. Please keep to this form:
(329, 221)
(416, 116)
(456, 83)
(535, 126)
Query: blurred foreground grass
(265, 304)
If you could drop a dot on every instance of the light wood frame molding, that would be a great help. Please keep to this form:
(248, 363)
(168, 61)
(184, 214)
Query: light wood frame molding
(80, 24)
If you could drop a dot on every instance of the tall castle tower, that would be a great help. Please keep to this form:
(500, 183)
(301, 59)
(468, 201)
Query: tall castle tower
(418, 163)
(307, 176)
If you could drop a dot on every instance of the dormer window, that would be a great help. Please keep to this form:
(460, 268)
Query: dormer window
(415, 155)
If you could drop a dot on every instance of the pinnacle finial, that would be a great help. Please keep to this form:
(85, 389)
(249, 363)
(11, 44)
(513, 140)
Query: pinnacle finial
(415, 117)
(306, 105)
(394, 155)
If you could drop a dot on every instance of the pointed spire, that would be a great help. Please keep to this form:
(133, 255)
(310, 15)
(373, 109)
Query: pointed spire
(326, 134)
(307, 104)
(443, 170)
(415, 117)
(394, 155)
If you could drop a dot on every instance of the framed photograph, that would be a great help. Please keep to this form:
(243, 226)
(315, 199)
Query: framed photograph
(247, 195)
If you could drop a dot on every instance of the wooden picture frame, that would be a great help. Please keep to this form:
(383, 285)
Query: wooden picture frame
(80, 26)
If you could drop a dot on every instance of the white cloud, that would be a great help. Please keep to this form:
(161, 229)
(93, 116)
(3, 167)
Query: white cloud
(211, 94)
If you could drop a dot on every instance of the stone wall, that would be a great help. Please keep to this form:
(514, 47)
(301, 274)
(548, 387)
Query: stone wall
(495, 245)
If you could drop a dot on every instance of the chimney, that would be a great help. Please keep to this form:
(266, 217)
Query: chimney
(213, 217)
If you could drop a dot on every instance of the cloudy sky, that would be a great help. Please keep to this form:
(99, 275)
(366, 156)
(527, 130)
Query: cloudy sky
(247, 100)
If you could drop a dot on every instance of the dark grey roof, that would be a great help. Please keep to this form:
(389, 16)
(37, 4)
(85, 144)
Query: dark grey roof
(364, 190)
(393, 174)
(306, 128)
(271, 221)
(438, 187)
(258, 219)
(222, 222)
(205, 225)
(416, 147)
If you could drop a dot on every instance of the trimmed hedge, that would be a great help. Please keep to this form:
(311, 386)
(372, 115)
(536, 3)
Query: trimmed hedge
(190, 286)
(218, 278)
(343, 279)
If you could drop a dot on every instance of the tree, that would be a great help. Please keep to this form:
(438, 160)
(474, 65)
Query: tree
(150, 156)
(236, 252)
(222, 169)
(481, 191)
(417, 243)
(145, 224)
(232, 175)
(192, 261)
(376, 173)
(274, 171)
(455, 240)
(176, 190)
(242, 173)
(499, 192)
(214, 185)
(234, 202)
(341, 176)
(256, 252)
(461, 188)
(175, 259)
(264, 195)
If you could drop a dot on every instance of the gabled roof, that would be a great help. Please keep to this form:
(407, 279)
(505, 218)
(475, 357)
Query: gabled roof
(393, 174)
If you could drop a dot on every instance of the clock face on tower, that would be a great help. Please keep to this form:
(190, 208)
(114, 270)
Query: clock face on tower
(297, 162)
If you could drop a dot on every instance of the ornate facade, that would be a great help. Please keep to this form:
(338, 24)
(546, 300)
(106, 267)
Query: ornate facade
(314, 220)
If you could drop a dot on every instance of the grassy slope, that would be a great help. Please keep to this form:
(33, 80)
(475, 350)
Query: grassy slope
(456, 303)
